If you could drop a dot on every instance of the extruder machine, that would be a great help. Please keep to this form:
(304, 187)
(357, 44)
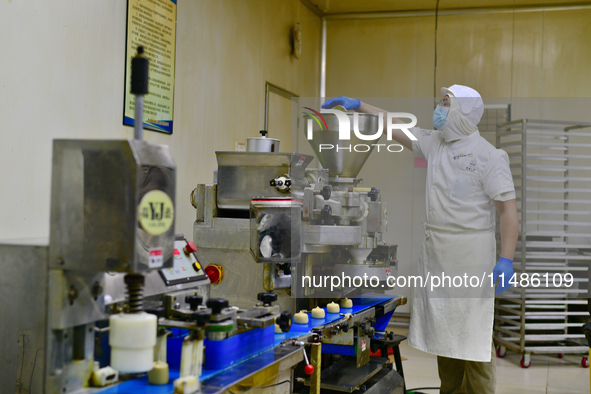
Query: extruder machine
(270, 224)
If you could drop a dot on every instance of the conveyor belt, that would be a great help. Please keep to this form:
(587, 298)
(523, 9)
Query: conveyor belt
(140, 385)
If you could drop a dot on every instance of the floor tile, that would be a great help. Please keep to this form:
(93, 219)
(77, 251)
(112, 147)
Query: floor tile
(547, 374)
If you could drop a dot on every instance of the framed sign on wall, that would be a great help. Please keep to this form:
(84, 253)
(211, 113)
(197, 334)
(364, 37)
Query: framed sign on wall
(152, 24)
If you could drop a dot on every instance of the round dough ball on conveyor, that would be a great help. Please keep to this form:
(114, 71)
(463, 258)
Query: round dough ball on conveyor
(278, 329)
(301, 318)
(346, 303)
(318, 313)
(333, 307)
(159, 374)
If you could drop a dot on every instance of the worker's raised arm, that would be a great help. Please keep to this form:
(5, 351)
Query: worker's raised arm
(358, 105)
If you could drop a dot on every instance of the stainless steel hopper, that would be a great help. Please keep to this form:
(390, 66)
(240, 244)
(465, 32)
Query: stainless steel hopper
(342, 162)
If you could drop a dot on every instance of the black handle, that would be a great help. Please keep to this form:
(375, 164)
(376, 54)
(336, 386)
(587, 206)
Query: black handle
(267, 298)
(216, 305)
(326, 192)
(140, 67)
(201, 318)
(373, 194)
(284, 321)
(194, 301)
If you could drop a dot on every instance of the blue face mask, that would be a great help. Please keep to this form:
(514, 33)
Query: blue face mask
(439, 116)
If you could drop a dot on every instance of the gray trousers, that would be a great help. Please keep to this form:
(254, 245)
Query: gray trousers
(467, 377)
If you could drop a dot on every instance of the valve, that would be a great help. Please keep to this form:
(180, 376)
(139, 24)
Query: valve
(267, 298)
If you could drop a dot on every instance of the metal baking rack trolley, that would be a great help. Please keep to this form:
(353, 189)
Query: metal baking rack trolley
(551, 166)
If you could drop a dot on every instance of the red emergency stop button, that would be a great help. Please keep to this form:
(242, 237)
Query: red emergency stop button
(215, 273)
(190, 247)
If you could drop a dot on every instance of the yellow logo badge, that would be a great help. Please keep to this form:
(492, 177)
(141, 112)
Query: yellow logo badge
(156, 212)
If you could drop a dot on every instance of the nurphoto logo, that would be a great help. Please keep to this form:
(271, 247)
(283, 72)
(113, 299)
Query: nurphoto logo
(344, 123)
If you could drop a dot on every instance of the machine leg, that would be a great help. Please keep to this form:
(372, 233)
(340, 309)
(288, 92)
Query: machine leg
(398, 361)
(316, 358)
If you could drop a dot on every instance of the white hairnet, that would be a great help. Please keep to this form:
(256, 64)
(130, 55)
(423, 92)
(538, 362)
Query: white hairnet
(469, 101)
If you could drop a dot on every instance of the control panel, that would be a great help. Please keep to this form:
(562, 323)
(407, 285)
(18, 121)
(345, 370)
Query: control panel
(186, 268)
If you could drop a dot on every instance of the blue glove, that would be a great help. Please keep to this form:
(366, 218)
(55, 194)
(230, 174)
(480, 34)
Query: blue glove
(348, 103)
(504, 266)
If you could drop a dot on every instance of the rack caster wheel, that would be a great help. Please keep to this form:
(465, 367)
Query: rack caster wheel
(585, 362)
(501, 352)
(560, 355)
(525, 361)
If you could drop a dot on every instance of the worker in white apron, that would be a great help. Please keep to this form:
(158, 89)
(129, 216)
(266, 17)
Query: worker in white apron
(467, 178)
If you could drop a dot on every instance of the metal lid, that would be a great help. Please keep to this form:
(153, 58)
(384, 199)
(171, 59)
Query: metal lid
(262, 138)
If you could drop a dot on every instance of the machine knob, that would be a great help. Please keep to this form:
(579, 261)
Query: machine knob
(326, 192)
(216, 305)
(284, 321)
(267, 298)
(326, 215)
(272, 183)
(194, 301)
(201, 318)
(345, 327)
(190, 247)
(264, 133)
(373, 194)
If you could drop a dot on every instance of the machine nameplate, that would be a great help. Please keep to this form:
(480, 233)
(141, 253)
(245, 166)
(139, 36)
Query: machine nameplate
(156, 212)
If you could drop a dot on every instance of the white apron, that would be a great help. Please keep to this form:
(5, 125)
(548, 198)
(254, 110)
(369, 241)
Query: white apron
(455, 321)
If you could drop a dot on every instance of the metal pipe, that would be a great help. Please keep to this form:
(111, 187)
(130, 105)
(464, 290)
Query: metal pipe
(138, 123)
(470, 11)
(323, 62)
(266, 107)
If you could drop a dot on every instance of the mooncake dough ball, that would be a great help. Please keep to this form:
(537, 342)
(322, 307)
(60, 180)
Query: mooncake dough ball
(318, 313)
(300, 318)
(333, 307)
(346, 303)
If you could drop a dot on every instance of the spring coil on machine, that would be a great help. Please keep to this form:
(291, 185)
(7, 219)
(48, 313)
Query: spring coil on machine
(135, 292)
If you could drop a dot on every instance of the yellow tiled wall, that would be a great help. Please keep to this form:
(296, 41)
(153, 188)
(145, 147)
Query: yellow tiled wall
(506, 56)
